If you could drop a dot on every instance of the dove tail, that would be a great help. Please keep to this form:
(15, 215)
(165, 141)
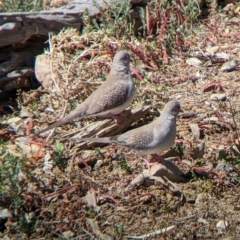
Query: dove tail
(76, 113)
(96, 140)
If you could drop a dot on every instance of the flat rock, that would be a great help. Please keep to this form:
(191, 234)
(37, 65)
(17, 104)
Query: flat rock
(218, 97)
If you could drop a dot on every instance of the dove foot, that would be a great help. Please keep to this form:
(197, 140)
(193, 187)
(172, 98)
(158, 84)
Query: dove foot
(117, 118)
(148, 163)
(114, 117)
(156, 158)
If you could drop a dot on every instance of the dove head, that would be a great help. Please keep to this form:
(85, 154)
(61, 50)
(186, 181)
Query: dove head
(121, 62)
(173, 108)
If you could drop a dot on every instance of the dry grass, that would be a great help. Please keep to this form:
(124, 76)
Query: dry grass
(49, 201)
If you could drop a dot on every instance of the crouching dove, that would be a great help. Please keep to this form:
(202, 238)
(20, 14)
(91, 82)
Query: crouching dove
(152, 138)
(111, 98)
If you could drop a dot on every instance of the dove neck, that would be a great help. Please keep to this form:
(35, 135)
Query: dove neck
(120, 69)
(167, 117)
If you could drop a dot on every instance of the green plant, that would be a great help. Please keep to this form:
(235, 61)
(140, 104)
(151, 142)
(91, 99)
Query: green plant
(119, 230)
(2, 141)
(34, 105)
(205, 185)
(123, 164)
(9, 174)
(58, 156)
(27, 223)
(99, 153)
(178, 148)
(21, 5)
(231, 154)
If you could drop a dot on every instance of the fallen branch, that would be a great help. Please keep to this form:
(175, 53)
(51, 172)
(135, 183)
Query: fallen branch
(108, 127)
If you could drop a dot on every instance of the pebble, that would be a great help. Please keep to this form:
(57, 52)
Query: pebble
(193, 61)
(203, 221)
(229, 66)
(236, 208)
(98, 164)
(222, 166)
(218, 97)
(222, 225)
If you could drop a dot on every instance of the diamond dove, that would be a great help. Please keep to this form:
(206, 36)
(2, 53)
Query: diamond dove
(152, 138)
(111, 98)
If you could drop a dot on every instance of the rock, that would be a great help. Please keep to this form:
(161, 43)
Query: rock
(68, 235)
(222, 56)
(169, 170)
(236, 208)
(4, 213)
(229, 66)
(193, 61)
(195, 130)
(198, 151)
(98, 164)
(222, 225)
(222, 166)
(218, 97)
(43, 70)
(188, 114)
(203, 221)
(25, 112)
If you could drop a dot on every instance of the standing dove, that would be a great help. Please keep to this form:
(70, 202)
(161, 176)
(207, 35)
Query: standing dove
(111, 98)
(152, 138)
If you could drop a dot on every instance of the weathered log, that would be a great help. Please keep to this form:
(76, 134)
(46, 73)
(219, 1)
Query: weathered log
(108, 127)
(17, 29)
(21, 26)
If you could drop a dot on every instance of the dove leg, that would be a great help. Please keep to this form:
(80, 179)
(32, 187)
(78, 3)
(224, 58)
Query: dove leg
(116, 118)
(156, 158)
(147, 163)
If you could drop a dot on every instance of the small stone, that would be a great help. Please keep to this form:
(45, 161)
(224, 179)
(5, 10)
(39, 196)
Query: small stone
(25, 112)
(193, 61)
(222, 166)
(213, 119)
(203, 221)
(218, 97)
(222, 56)
(98, 164)
(229, 66)
(68, 235)
(43, 70)
(236, 208)
(199, 151)
(222, 225)
(4, 213)
(115, 156)
(5, 238)
(188, 114)
(147, 102)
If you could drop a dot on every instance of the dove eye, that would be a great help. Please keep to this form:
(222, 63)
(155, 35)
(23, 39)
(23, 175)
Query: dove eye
(178, 107)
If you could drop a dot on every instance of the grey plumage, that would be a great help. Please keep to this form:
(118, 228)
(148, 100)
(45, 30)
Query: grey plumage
(111, 98)
(152, 138)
